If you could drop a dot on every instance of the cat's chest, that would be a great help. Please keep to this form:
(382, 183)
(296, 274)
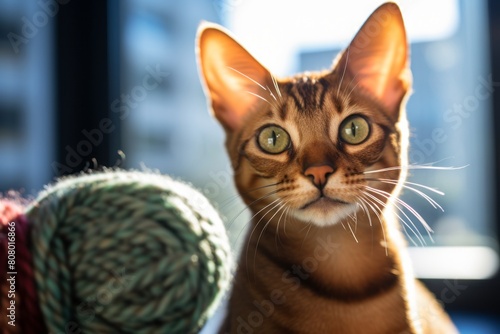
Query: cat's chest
(323, 316)
(313, 295)
(293, 306)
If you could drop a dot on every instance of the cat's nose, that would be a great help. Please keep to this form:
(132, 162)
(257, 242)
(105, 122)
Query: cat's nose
(319, 174)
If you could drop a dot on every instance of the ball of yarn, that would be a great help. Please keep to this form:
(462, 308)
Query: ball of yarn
(127, 252)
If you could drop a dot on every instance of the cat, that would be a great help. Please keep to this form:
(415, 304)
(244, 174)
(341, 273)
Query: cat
(319, 158)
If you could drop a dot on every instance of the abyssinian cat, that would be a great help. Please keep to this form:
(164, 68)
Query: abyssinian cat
(319, 159)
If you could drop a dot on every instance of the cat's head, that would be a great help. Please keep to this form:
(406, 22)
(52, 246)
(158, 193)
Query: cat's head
(307, 143)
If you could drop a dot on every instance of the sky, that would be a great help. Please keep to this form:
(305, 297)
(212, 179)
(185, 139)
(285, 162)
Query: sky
(276, 36)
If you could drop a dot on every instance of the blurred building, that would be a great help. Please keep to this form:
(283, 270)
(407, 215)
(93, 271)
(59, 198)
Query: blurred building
(172, 115)
(26, 96)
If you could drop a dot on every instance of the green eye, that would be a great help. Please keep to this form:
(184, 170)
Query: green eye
(354, 130)
(273, 139)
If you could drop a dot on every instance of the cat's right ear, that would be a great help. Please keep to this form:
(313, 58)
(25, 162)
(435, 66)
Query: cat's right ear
(233, 79)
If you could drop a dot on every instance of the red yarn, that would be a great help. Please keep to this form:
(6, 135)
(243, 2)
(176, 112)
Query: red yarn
(14, 236)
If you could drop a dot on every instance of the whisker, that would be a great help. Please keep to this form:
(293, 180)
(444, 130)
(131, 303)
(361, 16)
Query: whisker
(406, 205)
(274, 215)
(366, 211)
(275, 103)
(226, 202)
(271, 93)
(287, 215)
(276, 87)
(232, 198)
(440, 161)
(309, 224)
(257, 213)
(262, 187)
(348, 95)
(343, 72)
(263, 229)
(405, 225)
(354, 219)
(410, 167)
(397, 201)
(374, 209)
(247, 207)
(408, 224)
(260, 97)
(246, 76)
(352, 232)
(277, 238)
(429, 199)
(434, 190)
(265, 88)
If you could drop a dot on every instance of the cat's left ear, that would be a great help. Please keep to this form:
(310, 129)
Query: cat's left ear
(377, 58)
(233, 79)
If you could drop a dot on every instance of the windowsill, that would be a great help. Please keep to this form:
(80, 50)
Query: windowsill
(467, 262)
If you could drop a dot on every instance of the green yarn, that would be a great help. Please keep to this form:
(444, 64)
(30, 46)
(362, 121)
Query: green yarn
(127, 252)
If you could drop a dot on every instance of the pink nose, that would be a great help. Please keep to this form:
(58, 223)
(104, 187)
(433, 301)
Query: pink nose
(319, 174)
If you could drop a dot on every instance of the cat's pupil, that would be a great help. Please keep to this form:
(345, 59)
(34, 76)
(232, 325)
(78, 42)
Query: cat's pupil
(273, 138)
(353, 129)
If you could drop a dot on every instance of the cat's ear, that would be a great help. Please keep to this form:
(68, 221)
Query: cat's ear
(377, 58)
(233, 78)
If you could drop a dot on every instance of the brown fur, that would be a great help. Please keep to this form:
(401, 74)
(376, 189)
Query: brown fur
(324, 254)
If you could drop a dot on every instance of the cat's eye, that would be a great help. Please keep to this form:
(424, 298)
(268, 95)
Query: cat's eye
(354, 130)
(273, 139)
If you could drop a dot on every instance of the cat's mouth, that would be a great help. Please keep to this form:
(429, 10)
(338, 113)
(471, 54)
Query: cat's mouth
(324, 202)
(324, 210)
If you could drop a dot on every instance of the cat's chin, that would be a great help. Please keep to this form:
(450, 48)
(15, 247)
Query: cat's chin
(325, 212)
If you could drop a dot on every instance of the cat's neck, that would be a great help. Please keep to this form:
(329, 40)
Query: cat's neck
(352, 256)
